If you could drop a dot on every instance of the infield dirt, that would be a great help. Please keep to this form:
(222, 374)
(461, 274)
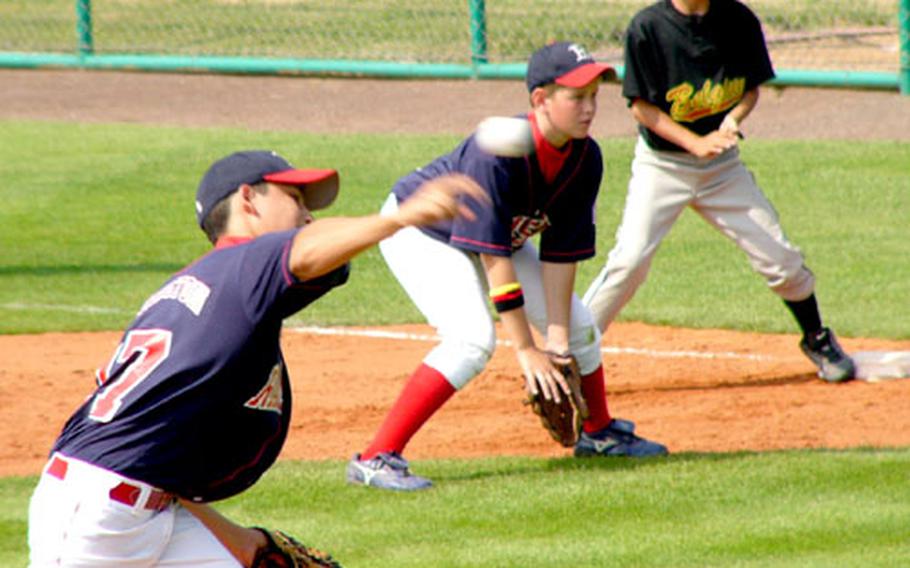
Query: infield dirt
(756, 393)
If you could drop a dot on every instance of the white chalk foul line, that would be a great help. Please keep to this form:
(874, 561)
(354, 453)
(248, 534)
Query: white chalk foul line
(63, 308)
(405, 336)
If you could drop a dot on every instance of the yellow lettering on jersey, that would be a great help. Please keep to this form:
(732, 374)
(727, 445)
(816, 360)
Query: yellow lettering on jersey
(270, 398)
(690, 105)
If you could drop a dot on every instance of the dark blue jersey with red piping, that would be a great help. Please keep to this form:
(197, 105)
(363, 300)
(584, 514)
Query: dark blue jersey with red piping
(196, 398)
(523, 202)
(694, 68)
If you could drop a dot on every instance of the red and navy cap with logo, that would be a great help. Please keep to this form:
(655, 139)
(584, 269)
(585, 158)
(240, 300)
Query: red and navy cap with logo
(564, 63)
(224, 177)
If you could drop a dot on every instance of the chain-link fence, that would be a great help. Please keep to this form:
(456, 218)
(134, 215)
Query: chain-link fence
(841, 35)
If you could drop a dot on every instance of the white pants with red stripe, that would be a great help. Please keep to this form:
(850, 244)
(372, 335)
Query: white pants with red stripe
(449, 286)
(74, 522)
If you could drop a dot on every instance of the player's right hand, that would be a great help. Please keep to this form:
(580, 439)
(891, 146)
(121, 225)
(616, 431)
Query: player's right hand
(540, 374)
(441, 198)
(714, 144)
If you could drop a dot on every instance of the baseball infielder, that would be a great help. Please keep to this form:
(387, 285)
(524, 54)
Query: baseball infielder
(692, 74)
(453, 271)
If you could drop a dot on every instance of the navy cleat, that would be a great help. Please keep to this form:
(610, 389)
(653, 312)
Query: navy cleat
(833, 364)
(387, 470)
(617, 439)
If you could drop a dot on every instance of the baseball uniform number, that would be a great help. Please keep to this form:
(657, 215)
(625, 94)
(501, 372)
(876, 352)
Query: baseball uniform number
(147, 348)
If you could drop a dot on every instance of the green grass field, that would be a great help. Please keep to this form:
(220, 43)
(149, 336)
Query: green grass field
(805, 508)
(96, 216)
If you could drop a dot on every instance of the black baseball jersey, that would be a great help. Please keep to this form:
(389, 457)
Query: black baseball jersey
(196, 398)
(695, 68)
(523, 202)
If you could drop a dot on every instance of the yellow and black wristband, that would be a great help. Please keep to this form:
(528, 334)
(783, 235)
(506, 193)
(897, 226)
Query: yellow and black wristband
(507, 297)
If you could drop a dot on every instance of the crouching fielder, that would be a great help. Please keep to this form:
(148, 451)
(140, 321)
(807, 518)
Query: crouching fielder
(451, 271)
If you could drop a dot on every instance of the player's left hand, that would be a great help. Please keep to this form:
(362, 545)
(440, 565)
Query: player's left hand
(281, 550)
(563, 419)
(730, 126)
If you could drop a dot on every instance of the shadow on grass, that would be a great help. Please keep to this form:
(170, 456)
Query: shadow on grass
(64, 269)
(480, 471)
(793, 379)
(519, 467)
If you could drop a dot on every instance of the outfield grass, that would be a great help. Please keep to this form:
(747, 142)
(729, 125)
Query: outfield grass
(95, 217)
(404, 30)
(796, 508)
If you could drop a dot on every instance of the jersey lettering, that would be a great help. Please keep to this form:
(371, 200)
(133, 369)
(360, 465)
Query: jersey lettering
(187, 290)
(141, 351)
(689, 105)
(525, 227)
(271, 397)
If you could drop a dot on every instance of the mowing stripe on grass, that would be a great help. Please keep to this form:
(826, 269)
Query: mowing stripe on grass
(63, 308)
(404, 336)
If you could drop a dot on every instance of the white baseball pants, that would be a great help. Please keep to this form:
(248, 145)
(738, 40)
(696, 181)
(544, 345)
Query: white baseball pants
(449, 286)
(74, 522)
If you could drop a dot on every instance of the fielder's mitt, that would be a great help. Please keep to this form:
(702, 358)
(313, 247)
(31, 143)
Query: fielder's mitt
(563, 419)
(284, 551)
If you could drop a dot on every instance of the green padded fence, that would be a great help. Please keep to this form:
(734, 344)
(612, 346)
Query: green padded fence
(812, 42)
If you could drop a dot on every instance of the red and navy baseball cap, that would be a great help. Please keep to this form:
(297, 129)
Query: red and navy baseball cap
(224, 177)
(564, 63)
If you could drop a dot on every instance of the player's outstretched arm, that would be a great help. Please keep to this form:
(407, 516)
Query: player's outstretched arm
(326, 244)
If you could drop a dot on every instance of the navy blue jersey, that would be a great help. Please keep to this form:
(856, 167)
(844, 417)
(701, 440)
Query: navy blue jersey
(523, 203)
(196, 398)
(694, 68)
